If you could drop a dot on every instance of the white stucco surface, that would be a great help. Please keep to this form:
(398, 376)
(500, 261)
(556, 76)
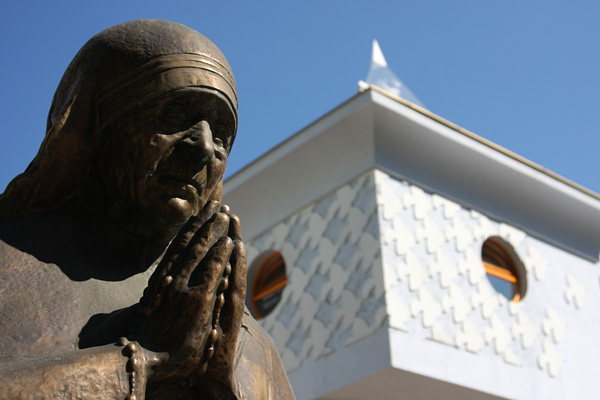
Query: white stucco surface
(335, 292)
(382, 273)
(447, 321)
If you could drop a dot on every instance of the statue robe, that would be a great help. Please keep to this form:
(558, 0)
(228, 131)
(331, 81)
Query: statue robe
(42, 314)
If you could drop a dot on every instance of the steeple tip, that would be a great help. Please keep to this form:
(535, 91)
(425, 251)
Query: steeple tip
(382, 76)
(377, 55)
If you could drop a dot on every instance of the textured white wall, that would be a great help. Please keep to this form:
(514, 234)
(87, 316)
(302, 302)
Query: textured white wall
(334, 296)
(437, 291)
(379, 256)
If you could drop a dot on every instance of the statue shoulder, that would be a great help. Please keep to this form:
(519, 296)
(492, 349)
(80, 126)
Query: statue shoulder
(38, 306)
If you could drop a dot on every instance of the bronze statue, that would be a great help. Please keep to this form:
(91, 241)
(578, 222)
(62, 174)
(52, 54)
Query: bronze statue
(125, 194)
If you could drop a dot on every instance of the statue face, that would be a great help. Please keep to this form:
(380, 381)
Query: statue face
(165, 157)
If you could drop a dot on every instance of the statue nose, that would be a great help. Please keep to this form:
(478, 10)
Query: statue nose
(197, 146)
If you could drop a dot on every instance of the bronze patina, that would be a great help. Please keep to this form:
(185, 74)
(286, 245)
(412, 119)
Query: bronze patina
(121, 273)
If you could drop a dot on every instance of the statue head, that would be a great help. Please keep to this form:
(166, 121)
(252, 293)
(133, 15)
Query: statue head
(140, 127)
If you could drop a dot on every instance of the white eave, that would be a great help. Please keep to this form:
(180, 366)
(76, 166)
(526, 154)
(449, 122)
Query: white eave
(375, 129)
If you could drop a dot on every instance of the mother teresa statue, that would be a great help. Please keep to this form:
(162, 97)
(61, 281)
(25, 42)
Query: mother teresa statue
(122, 276)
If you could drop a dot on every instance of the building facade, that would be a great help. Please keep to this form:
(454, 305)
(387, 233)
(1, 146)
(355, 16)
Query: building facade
(393, 254)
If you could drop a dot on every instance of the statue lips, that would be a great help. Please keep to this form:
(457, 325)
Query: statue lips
(188, 186)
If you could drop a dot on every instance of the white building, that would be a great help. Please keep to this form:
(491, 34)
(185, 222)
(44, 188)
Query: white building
(380, 210)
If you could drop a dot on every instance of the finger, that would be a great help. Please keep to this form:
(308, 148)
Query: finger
(186, 234)
(201, 297)
(199, 245)
(180, 243)
(232, 312)
(162, 276)
(235, 295)
(207, 276)
(235, 228)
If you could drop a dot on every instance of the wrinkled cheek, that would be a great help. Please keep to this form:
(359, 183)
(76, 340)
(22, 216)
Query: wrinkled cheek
(148, 157)
(215, 170)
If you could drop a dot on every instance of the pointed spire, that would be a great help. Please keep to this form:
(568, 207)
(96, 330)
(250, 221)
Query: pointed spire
(382, 76)
(377, 55)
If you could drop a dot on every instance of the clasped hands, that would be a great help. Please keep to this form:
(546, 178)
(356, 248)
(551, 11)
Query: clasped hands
(193, 306)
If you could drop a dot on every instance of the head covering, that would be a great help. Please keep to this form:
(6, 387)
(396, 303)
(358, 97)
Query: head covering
(119, 67)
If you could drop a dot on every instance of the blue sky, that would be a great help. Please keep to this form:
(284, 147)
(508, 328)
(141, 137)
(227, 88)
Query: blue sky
(523, 74)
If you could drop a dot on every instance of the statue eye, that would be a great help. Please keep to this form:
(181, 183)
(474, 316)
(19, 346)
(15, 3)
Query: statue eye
(220, 136)
(218, 142)
(175, 116)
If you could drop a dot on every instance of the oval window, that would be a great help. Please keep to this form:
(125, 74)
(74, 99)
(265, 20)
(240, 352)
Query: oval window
(268, 284)
(504, 268)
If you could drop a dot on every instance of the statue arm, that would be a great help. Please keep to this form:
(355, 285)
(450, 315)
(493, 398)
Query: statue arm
(106, 372)
(95, 373)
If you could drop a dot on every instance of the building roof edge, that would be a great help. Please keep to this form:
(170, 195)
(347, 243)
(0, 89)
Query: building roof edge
(485, 142)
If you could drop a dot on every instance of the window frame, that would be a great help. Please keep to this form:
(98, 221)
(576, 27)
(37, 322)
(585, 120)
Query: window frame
(501, 261)
(269, 265)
